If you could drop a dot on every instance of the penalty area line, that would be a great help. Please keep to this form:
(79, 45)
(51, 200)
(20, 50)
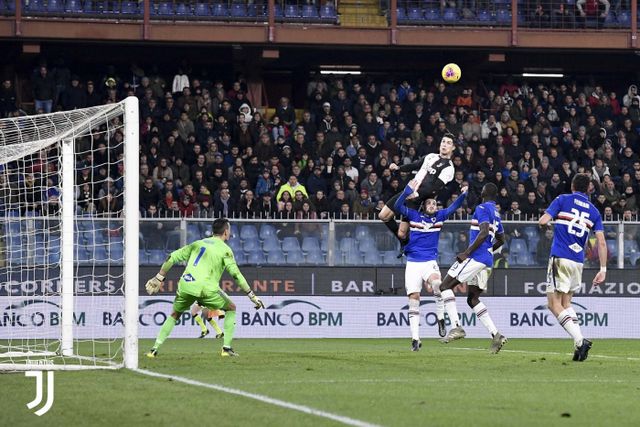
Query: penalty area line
(261, 398)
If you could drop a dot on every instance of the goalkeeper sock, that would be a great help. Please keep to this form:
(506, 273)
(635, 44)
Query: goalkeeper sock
(215, 326)
(165, 331)
(414, 318)
(229, 327)
(566, 321)
(450, 305)
(200, 322)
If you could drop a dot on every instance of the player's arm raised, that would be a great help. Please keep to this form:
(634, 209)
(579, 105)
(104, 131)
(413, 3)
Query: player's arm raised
(456, 204)
(234, 271)
(399, 205)
(482, 235)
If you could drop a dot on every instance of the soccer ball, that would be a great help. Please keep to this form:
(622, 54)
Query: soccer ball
(451, 73)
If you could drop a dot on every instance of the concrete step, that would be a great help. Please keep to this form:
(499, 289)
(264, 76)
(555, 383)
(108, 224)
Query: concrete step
(363, 21)
(359, 10)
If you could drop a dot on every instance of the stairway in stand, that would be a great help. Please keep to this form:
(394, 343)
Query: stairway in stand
(361, 13)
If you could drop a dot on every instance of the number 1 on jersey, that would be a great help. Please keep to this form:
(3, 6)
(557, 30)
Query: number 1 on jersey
(197, 260)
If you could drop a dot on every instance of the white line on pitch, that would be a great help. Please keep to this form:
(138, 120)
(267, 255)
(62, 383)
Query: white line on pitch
(600, 356)
(441, 380)
(262, 398)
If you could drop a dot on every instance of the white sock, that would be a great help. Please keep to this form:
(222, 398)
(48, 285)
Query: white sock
(414, 318)
(573, 314)
(566, 321)
(435, 285)
(483, 314)
(449, 300)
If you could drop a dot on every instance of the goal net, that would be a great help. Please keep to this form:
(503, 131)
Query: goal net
(69, 239)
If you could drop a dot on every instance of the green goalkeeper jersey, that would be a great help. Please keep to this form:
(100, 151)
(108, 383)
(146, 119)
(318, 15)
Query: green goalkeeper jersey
(206, 260)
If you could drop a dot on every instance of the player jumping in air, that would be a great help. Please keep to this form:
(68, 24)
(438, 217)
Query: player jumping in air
(422, 256)
(434, 172)
(574, 216)
(210, 315)
(206, 260)
(474, 267)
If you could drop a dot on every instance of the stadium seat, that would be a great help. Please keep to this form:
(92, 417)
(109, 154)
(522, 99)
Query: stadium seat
(631, 251)
(255, 258)
(518, 247)
(391, 258)
(432, 15)
(315, 257)
(182, 9)
(291, 11)
(172, 241)
(275, 257)
(362, 232)
(328, 12)
(348, 244)
(240, 258)
(310, 244)
(295, 258)
(35, 6)
(248, 232)
(352, 258)
(401, 14)
(445, 241)
(450, 15)
(290, 244)
(238, 10)
(445, 258)
(372, 258)
(165, 8)
(266, 231)
(271, 244)
(414, 14)
(93, 237)
(503, 16)
(99, 254)
(202, 9)
(367, 245)
(250, 245)
(73, 6)
(277, 11)
(624, 18)
(252, 10)
(157, 257)
(309, 11)
(219, 9)
(612, 247)
(55, 6)
(193, 232)
(484, 16)
(235, 245)
(116, 252)
(128, 8)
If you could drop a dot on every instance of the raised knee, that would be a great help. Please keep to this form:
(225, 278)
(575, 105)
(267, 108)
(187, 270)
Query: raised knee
(435, 285)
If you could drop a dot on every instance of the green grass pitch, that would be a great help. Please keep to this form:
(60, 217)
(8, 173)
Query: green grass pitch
(532, 382)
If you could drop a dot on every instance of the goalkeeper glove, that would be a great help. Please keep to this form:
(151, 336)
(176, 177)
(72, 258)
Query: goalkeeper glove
(153, 285)
(257, 302)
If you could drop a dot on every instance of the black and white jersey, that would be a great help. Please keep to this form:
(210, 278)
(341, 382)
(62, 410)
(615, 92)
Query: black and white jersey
(434, 172)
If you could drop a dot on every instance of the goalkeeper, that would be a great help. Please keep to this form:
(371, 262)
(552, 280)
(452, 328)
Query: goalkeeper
(206, 261)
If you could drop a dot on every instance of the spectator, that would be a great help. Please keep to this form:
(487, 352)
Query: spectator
(291, 187)
(44, 90)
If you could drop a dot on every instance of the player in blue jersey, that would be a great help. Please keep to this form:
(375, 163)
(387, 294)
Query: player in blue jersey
(422, 256)
(474, 267)
(574, 216)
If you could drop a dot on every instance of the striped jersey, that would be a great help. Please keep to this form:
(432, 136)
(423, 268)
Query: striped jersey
(485, 212)
(424, 230)
(574, 216)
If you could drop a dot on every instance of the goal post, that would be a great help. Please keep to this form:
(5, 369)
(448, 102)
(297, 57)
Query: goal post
(69, 184)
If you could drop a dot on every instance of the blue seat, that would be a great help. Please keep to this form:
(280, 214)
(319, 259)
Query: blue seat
(235, 245)
(93, 237)
(631, 251)
(251, 245)
(503, 16)
(143, 257)
(518, 247)
(157, 257)
(277, 11)
(55, 6)
(352, 258)
(116, 252)
(484, 16)
(35, 6)
(309, 11)
(238, 10)
(88, 6)
(612, 247)
(266, 231)
(362, 232)
(372, 258)
(193, 232)
(165, 8)
(310, 244)
(414, 14)
(73, 6)
(391, 258)
(401, 14)
(367, 245)
(295, 257)
(290, 244)
(315, 257)
(248, 232)
(275, 257)
(271, 244)
(240, 258)
(182, 9)
(328, 12)
(446, 258)
(128, 8)
(82, 255)
(202, 9)
(99, 254)
(432, 15)
(255, 258)
(291, 11)
(172, 241)
(348, 244)
(624, 18)
(219, 9)
(450, 15)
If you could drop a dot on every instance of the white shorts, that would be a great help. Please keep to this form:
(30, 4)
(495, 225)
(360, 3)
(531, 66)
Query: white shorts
(563, 275)
(471, 271)
(418, 272)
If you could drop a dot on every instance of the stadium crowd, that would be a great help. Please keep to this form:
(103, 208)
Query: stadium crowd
(205, 150)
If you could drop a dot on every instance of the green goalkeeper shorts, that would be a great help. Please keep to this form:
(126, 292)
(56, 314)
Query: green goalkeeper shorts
(214, 301)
